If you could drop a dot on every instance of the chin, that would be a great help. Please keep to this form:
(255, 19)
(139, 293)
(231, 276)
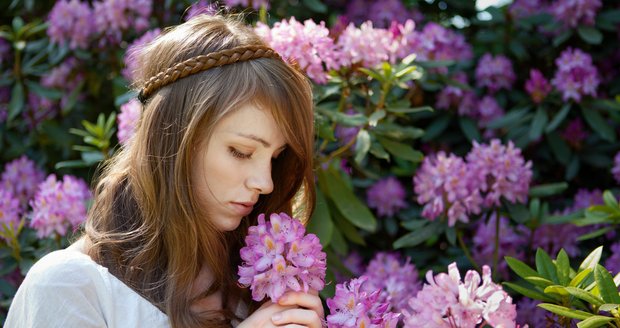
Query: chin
(229, 224)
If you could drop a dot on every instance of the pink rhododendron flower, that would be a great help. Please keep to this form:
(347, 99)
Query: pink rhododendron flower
(134, 48)
(573, 13)
(10, 211)
(278, 256)
(537, 86)
(72, 22)
(448, 302)
(494, 72)
(128, 119)
(387, 196)
(21, 178)
(576, 75)
(353, 307)
(396, 279)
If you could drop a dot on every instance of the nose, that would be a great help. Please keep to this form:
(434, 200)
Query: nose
(260, 180)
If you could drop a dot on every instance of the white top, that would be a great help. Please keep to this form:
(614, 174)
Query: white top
(66, 288)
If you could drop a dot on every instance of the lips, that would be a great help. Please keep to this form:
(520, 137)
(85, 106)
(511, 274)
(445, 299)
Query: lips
(242, 208)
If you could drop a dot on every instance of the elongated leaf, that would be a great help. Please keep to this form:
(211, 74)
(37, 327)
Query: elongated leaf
(591, 261)
(538, 124)
(580, 277)
(610, 199)
(608, 307)
(520, 268)
(348, 230)
(556, 289)
(545, 266)
(375, 117)
(529, 292)
(316, 5)
(606, 285)
(540, 282)
(409, 110)
(595, 233)
(418, 236)
(510, 119)
(548, 189)
(401, 150)
(321, 222)
(348, 204)
(338, 243)
(469, 128)
(436, 128)
(594, 321)
(558, 118)
(598, 124)
(17, 101)
(562, 264)
(585, 296)
(590, 34)
(379, 152)
(558, 146)
(518, 212)
(564, 311)
(362, 145)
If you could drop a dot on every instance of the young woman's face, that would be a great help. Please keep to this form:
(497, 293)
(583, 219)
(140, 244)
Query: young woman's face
(233, 168)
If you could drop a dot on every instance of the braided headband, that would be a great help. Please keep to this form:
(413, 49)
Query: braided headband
(201, 63)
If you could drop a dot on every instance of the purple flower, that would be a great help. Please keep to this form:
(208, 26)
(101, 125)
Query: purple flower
(447, 302)
(278, 255)
(5, 51)
(354, 263)
(383, 13)
(21, 178)
(501, 172)
(585, 198)
(387, 196)
(616, 169)
(346, 134)
(494, 72)
(116, 16)
(397, 280)
(575, 133)
(613, 262)
(452, 96)
(529, 313)
(446, 186)
(353, 307)
(256, 4)
(10, 212)
(524, 8)
(59, 205)
(71, 21)
(308, 44)
(38, 109)
(354, 45)
(128, 120)
(488, 110)
(5, 97)
(553, 237)
(200, 7)
(537, 86)
(573, 13)
(134, 49)
(511, 243)
(576, 75)
(436, 42)
(65, 77)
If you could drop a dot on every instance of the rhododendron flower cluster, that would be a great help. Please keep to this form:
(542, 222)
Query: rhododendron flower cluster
(397, 281)
(278, 255)
(72, 22)
(448, 185)
(387, 196)
(436, 42)
(10, 211)
(115, 16)
(616, 169)
(537, 86)
(21, 178)
(452, 96)
(128, 119)
(59, 205)
(446, 301)
(576, 75)
(134, 48)
(494, 72)
(352, 307)
(256, 4)
(575, 12)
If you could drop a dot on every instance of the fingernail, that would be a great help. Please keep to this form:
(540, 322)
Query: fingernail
(276, 317)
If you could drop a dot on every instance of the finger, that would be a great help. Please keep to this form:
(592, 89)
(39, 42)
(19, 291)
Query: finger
(293, 326)
(304, 317)
(306, 300)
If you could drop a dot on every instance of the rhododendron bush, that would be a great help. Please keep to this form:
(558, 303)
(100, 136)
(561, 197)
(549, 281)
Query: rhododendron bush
(467, 158)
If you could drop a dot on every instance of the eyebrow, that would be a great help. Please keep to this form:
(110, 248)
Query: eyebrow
(259, 139)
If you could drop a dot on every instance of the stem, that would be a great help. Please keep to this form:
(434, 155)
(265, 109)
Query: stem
(340, 150)
(262, 14)
(459, 236)
(385, 88)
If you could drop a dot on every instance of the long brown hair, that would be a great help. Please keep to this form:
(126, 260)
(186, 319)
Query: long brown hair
(145, 225)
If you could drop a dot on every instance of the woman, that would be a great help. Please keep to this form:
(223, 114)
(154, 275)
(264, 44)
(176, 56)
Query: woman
(226, 133)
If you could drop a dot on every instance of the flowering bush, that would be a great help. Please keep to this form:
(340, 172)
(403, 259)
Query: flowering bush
(445, 133)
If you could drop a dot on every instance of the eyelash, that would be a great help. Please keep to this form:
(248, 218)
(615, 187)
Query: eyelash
(239, 154)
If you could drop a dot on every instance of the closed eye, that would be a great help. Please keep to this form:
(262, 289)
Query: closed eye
(236, 153)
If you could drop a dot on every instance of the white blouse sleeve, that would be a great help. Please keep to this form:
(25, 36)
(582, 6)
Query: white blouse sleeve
(58, 291)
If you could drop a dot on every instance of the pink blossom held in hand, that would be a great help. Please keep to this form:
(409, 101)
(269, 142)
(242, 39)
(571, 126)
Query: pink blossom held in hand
(501, 172)
(72, 22)
(445, 185)
(278, 256)
(576, 75)
(353, 307)
(387, 196)
(59, 205)
(537, 86)
(447, 302)
(494, 72)
(308, 44)
(21, 177)
(128, 120)
(396, 279)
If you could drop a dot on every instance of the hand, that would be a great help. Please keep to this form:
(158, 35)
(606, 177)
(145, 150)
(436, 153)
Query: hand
(293, 310)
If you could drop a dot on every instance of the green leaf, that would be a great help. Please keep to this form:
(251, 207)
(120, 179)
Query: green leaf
(469, 128)
(372, 74)
(591, 261)
(518, 212)
(375, 117)
(558, 118)
(401, 150)
(595, 234)
(414, 224)
(397, 132)
(558, 146)
(529, 292)
(405, 71)
(321, 222)
(417, 236)
(348, 204)
(362, 145)
(558, 40)
(598, 124)
(606, 285)
(610, 199)
(545, 266)
(409, 110)
(549, 189)
(17, 101)
(538, 123)
(562, 264)
(315, 5)
(436, 128)
(581, 276)
(556, 289)
(594, 321)
(348, 230)
(564, 311)
(590, 34)
(379, 152)
(338, 243)
(585, 296)
(539, 282)
(518, 49)
(511, 118)
(520, 268)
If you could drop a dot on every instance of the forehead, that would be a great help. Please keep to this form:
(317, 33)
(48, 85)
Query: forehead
(250, 119)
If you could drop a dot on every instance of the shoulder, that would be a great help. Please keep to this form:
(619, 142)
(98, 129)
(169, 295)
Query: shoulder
(64, 266)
